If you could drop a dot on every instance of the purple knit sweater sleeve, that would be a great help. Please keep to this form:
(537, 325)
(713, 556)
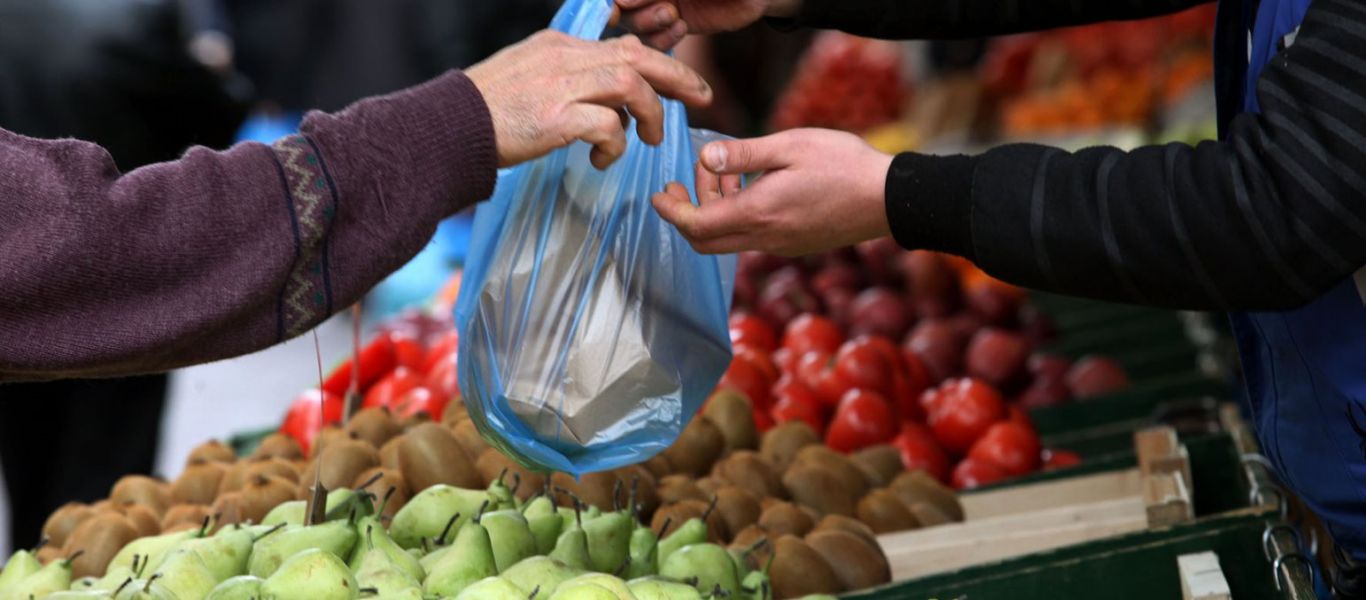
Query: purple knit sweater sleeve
(220, 254)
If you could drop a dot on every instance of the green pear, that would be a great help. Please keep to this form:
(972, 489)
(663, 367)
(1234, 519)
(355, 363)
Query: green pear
(377, 569)
(570, 516)
(593, 586)
(469, 560)
(416, 553)
(756, 586)
(544, 522)
(818, 597)
(21, 564)
(709, 563)
(151, 550)
(291, 513)
(572, 548)
(373, 536)
(226, 553)
(501, 494)
(609, 540)
(84, 584)
(184, 574)
(540, 574)
(492, 588)
(693, 531)
(427, 514)
(431, 558)
(80, 595)
(643, 544)
(241, 587)
(51, 578)
(271, 551)
(113, 578)
(657, 588)
(510, 535)
(134, 589)
(313, 574)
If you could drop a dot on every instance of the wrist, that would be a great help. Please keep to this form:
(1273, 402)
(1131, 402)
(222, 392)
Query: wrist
(785, 9)
(873, 194)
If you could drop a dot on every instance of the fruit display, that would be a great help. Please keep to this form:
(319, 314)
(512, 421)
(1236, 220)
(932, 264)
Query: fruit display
(843, 82)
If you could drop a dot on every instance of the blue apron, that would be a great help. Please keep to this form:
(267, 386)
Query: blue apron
(1305, 369)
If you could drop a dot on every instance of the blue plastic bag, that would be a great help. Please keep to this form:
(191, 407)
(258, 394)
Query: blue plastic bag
(590, 331)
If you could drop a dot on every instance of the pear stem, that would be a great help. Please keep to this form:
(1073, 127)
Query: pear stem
(501, 475)
(449, 524)
(122, 585)
(137, 558)
(755, 547)
(482, 507)
(616, 496)
(371, 481)
(387, 495)
(534, 593)
(75, 555)
(710, 507)
(204, 526)
(147, 588)
(277, 527)
(516, 483)
(664, 528)
(621, 570)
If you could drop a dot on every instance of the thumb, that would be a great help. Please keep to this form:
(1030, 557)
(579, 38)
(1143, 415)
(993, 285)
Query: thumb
(745, 156)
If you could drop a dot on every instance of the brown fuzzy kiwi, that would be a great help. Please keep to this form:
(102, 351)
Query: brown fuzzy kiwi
(853, 479)
(492, 464)
(642, 483)
(97, 540)
(262, 493)
(697, 448)
(182, 514)
(737, 507)
(677, 488)
(226, 510)
(415, 419)
(143, 519)
(593, 489)
(819, 487)
(331, 432)
(374, 425)
(883, 512)
(388, 453)
(919, 486)
(198, 484)
(678, 514)
(857, 565)
(785, 518)
(709, 485)
(63, 521)
(430, 455)
(929, 515)
(341, 462)
(847, 524)
(781, 444)
(234, 477)
(101, 505)
(659, 467)
(388, 479)
(733, 414)
(140, 489)
(454, 413)
(750, 471)
(768, 501)
(210, 451)
(278, 445)
(47, 554)
(272, 467)
(748, 537)
(470, 441)
(882, 460)
(798, 570)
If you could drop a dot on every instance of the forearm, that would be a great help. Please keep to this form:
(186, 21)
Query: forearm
(955, 19)
(223, 253)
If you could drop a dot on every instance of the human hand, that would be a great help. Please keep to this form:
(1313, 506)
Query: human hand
(662, 23)
(820, 189)
(552, 89)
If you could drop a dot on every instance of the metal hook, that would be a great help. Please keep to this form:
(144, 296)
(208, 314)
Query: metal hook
(1268, 549)
(1280, 560)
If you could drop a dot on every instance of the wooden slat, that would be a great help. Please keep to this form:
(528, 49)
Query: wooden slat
(1202, 578)
(1166, 500)
(1159, 451)
(1046, 495)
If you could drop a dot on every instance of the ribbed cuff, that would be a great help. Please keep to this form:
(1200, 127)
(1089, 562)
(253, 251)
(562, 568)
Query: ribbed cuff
(929, 202)
(450, 134)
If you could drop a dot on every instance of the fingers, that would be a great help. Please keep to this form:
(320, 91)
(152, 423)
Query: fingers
(700, 224)
(649, 18)
(622, 86)
(665, 40)
(601, 127)
(670, 77)
(708, 186)
(747, 156)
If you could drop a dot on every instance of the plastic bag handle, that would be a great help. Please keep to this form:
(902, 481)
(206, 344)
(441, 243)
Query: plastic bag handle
(584, 19)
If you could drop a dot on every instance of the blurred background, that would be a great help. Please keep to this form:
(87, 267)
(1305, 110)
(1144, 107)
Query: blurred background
(148, 78)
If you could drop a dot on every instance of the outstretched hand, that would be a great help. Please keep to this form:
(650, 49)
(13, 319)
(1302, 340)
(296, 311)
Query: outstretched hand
(663, 23)
(820, 190)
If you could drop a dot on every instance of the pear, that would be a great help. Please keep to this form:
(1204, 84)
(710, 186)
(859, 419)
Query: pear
(593, 586)
(756, 586)
(84, 584)
(609, 540)
(510, 536)
(377, 570)
(53, 577)
(469, 560)
(291, 512)
(693, 531)
(270, 552)
(571, 548)
(312, 574)
(114, 577)
(540, 574)
(643, 545)
(709, 563)
(577, 514)
(427, 513)
(656, 588)
(80, 595)
(374, 537)
(21, 564)
(224, 554)
(544, 522)
(242, 587)
(184, 574)
(501, 494)
(492, 588)
(150, 551)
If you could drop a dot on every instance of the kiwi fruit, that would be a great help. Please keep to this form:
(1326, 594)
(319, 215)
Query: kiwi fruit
(388, 479)
(388, 453)
(233, 478)
(140, 489)
(330, 433)
(454, 413)
(785, 518)
(278, 445)
(781, 444)
(262, 493)
(697, 448)
(97, 540)
(883, 461)
(102, 505)
(853, 479)
(143, 519)
(198, 484)
(272, 467)
(738, 508)
(678, 514)
(470, 440)
(210, 451)
(49, 553)
(659, 467)
(733, 414)
(821, 488)
(748, 537)
(492, 464)
(750, 471)
(856, 564)
(929, 514)
(226, 510)
(340, 462)
(430, 455)
(709, 486)
(798, 570)
(677, 488)
(374, 425)
(593, 489)
(63, 521)
(919, 486)
(184, 514)
(883, 512)
(767, 501)
(642, 483)
(847, 524)
(752, 543)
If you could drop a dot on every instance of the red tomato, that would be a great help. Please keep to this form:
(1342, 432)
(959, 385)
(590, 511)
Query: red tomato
(742, 376)
(864, 418)
(763, 421)
(419, 400)
(906, 400)
(759, 359)
(1011, 446)
(786, 360)
(789, 409)
(376, 359)
(930, 400)
(1060, 459)
(307, 415)
(408, 352)
(812, 332)
(917, 374)
(975, 473)
(1015, 414)
(444, 379)
(861, 365)
(919, 450)
(749, 330)
(816, 370)
(448, 344)
(966, 409)
(392, 387)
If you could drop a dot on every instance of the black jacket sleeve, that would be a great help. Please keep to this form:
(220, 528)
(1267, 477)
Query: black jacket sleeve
(957, 19)
(1269, 219)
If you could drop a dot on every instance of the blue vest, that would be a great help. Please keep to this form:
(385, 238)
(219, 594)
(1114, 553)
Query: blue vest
(1305, 369)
